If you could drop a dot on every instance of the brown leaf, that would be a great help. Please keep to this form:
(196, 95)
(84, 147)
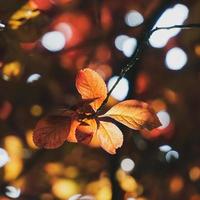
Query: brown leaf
(91, 86)
(134, 114)
(51, 132)
(110, 136)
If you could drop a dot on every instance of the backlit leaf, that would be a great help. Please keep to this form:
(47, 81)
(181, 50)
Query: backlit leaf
(134, 114)
(51, 132)
(91, 86)
(72, 133)
(82, 132)
(110, 136)
(94, 141)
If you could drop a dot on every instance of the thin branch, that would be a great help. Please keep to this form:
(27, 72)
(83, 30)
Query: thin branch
(186, 26)
(137, 53)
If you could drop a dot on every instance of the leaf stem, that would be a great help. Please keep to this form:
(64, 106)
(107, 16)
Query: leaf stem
(136, 55)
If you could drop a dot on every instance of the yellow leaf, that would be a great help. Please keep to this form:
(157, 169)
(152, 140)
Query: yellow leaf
(134, 114)
(110, 136)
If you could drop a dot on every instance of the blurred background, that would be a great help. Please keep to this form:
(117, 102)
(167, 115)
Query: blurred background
(43, 43)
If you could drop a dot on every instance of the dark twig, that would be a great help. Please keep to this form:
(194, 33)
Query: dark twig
(186, 26)
(136, 55)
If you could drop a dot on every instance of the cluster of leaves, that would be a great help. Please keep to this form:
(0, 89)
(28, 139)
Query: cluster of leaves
(85, 125)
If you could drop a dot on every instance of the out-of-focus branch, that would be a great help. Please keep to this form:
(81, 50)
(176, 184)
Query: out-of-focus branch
(138, 51)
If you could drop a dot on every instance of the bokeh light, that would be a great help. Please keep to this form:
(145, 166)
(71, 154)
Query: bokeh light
(5, 110)
(129, 184)
(75, 197)
(171, 96)
(14, 147)
(53, 41)
(194, 173)
(197, 50)
(119, 41)
(176, 59)
(121, 90)
(133, 18)
(42, 5)
(129, 46)
(100, 189)
(4, 158)
(127, 165)
(64, 188)
(2, 26)
(13, 168)
(33, 77)
(142, 83)
(176, 184)
(165, 148)
(171, 155)
(172, 16)
(36, 110)
(164, 118)
(12, 69)
(71, 172)
(195, 197)
(54, 168)
(12, 192)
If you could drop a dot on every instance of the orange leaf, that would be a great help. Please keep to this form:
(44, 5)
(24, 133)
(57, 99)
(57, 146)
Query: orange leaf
(94, 141)
(85, 131)
(91, 86)
(110, 136)
(82, 131)
(134, 114)
(51, 132)
(72, 134)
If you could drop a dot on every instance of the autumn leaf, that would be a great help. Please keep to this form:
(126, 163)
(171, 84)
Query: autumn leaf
(85, 131)
(110, 136)
(91, 86)
(51, 132)
(71, 137)
(82, 132)
(82, 124)
(134, 114)
(95, 141)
